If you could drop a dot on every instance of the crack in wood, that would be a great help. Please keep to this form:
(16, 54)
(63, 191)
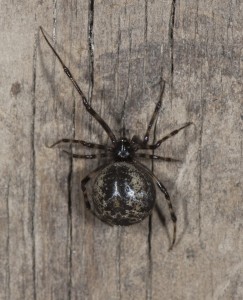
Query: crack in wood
(33, 165)
(171, 37)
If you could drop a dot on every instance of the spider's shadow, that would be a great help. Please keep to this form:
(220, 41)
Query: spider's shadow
(161, 216)
(162, 219)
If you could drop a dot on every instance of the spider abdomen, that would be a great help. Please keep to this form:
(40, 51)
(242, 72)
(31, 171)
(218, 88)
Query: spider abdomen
(123, 194)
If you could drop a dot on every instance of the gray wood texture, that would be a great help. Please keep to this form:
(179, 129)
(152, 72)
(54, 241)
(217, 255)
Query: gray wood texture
(51, 247)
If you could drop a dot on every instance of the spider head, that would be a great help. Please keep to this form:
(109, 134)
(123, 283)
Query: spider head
(123, 150)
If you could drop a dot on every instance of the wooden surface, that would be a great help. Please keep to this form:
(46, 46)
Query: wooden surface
(51, 247)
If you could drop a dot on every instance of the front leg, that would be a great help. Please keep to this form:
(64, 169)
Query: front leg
(174, 132)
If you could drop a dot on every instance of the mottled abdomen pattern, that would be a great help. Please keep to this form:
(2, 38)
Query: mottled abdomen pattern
(123, 194)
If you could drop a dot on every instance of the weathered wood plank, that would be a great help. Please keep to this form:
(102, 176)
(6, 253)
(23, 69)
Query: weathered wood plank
(51, 246)
(207, 261)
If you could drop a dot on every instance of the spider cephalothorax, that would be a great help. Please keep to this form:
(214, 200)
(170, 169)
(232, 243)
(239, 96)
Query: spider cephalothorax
(123, 150)
(123, 191)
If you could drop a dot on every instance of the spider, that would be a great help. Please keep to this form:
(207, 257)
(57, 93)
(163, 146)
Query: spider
(123, 191)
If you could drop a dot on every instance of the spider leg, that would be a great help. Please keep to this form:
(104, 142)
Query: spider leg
(86, 144)
(86, 156)
(87, 106)
(155, 114)
(167, 197)
(174, 132)
(85, 180)
(152, 156)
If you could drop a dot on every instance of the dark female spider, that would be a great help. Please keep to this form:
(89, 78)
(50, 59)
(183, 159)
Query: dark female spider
(123, 191)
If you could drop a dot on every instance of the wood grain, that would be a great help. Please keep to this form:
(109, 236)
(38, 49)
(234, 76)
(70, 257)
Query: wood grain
(51, 247)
